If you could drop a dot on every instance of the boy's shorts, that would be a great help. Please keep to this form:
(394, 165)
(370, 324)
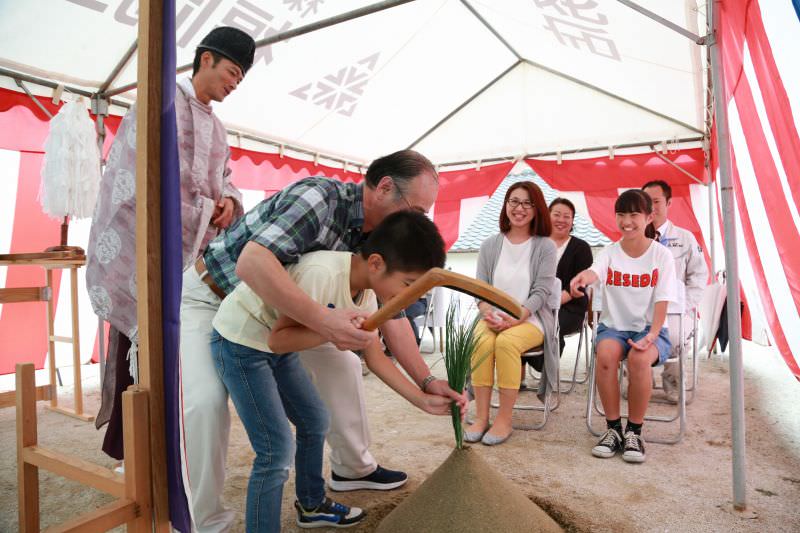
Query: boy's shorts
(662, 343)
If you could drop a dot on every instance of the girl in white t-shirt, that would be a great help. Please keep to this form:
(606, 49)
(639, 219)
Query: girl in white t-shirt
(636, 277)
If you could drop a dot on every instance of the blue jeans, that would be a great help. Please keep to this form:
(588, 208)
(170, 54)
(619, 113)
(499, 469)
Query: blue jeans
(663, 345)
(268, 391)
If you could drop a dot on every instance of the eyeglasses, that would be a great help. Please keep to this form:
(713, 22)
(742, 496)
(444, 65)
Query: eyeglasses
(514, 203)
(403, 196)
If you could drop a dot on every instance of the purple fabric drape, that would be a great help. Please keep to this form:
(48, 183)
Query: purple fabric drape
(171, 266)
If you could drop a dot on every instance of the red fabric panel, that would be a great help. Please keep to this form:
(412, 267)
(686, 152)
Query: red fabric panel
(601, 209)
(624, 171)
(600, 178)
(446, 216)
(23, 326)
(470, 183)
(24, 127)
(780, 219)
(258, 171)
(10, 99)
(738, 21)
(457, 185)
(776, 101)
(760, 275)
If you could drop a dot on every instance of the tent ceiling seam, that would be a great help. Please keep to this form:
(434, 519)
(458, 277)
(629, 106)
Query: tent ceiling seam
(463, 105)
(612, 95)
(491, 29)
(294, 32)
(123, 61)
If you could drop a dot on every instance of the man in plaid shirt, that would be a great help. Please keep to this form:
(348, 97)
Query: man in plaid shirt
(313, 214)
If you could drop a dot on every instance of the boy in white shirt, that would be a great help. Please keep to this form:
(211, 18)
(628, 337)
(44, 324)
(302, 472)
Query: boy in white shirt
(255, 351)
(637, 278)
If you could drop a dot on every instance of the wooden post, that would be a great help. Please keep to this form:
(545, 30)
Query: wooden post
(148, 244)
(27, 475)
(51, 343)
(136, 434)
(76, 343)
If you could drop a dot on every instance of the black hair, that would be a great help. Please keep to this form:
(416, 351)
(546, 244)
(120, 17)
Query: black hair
(636, 201)
(198, 53)
(568, 204)
(408, 241)
(540, 223)
(402, 166)
(562, 201)
(660, 183)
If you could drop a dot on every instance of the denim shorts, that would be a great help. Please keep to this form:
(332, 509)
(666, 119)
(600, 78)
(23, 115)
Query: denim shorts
(662, 343)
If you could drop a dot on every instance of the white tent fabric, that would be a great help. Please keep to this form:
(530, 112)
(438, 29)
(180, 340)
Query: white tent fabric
(388, 78)
(461, 81)
(476, 80)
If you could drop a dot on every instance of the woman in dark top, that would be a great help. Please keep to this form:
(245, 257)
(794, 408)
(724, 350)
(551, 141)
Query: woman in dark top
(573, 256)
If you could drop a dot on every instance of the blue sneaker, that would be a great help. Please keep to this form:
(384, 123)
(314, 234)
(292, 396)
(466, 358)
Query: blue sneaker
(328, 514)
(380, 479)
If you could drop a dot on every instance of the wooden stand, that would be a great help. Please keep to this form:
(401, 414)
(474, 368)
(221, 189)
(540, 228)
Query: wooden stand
(72, 260)
(133, 506)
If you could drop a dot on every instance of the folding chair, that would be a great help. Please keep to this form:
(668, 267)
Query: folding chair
(549, 405)
(592, 403)
(583, 342)
(692, 386)
(434, 300)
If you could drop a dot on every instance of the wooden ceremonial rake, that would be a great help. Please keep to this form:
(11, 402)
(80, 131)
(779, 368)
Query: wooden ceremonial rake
(438, 277)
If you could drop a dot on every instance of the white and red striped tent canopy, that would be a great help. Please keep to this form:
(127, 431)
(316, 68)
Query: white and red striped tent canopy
(593, 95)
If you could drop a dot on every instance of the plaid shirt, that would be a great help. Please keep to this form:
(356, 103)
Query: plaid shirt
(312, 214)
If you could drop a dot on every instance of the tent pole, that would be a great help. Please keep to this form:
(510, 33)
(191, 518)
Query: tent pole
(35, 101)
(712, 237)
(732, 267)
(664, 22)
(713, 219)
(671, 163)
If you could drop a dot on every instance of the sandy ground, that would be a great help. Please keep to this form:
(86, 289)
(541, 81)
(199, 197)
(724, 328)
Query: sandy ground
(685, 487)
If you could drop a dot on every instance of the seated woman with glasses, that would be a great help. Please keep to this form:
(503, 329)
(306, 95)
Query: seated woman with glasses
(520, 260)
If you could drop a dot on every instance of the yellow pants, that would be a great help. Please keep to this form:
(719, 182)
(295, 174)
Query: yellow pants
(504, 350)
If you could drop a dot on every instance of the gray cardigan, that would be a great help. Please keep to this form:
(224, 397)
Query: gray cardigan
(543, 275)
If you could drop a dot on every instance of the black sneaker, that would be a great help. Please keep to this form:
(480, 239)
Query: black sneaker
(328, 514)
(380, 479)
(608, 445)
(634, 448)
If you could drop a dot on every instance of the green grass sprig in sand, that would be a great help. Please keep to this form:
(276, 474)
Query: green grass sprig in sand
(459, 345)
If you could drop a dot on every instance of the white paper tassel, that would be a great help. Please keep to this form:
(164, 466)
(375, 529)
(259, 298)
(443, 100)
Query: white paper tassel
(133, 355)
(71, 168)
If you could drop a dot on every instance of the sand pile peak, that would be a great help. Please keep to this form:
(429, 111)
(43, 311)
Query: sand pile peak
(466, 494)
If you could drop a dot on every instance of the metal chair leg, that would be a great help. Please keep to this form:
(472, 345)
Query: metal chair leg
(591, 404)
